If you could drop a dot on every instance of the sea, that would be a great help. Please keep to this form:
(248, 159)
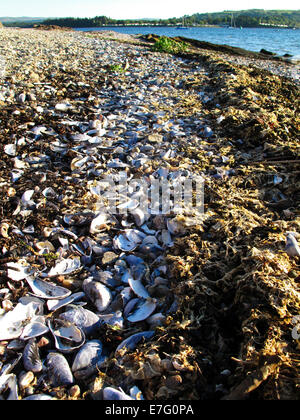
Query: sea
(280, 41)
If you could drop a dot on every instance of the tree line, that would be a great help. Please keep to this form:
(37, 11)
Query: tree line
(243, 18)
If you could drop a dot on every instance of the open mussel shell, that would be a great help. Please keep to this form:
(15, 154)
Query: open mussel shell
(67, 336)
(47, 290)
(54, 305)
(59, 372)
(143, 311)
(88, 360)
(84, 319)
(35, 328)
(98, 294)
(31, 357)
(65, 267)
(138, 288)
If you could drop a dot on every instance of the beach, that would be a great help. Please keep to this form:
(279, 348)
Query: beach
(97, 293)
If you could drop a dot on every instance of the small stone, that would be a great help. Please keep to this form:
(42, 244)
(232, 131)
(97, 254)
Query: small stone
(25, 379)
(74, 392)
(109, 258)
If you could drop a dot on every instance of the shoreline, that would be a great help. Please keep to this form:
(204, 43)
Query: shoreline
(215, 295)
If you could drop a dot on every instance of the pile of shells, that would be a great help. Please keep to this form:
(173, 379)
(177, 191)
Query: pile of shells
(105, 292)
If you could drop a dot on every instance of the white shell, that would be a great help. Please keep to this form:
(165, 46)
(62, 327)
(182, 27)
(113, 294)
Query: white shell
(129, 240)
(54, 305)
(65, 267)
(45, 290)
(99, 294)
(63, 107)
(18, 271)
(143, 311)
(67, 336)
(10, 149)
(35, 328)
(13, 323)
(138, 288)
(99, 224)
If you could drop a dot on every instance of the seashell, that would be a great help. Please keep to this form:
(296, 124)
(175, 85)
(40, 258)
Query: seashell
(143, 311)
(59, 372)
(129, 240)
(18, 271)
(166, 238)
(13, 323)
(67, 336)
(65, 267)
(112, 394)
(21, 98)
(98, 293)
(46, 290)
(16, 174)
(10, 149)
(131, 342)
(86, 320)
(175, 227)
(27, 196)
(79, 163)
(45, 247)
(138, 288)
(99, 224)
(208, 132)
(63, 107)
(9, 382)
(88, 360)
(4, 227)
(130, 306)
(156, 320)
(31, 357)
(35, 328)
(292, 247)
(38, 397)
(115, 320)
(54, 305)
(128, 205)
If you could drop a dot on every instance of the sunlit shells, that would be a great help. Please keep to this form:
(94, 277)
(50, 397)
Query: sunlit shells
(58, 369)
(13, 322)
(10, 149)
(88, 360)
(86, 320)
(65, 267)
(99, 224)
(31, 357)
(47, 290)
(67, 336)
(131, 342)
(129, 240)
(98, 293)
(143, 311)
(18, 271)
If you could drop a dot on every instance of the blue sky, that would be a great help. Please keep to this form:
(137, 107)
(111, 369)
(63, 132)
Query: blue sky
(122, 9)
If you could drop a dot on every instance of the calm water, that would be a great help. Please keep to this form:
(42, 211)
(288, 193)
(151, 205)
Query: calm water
(280, 41)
